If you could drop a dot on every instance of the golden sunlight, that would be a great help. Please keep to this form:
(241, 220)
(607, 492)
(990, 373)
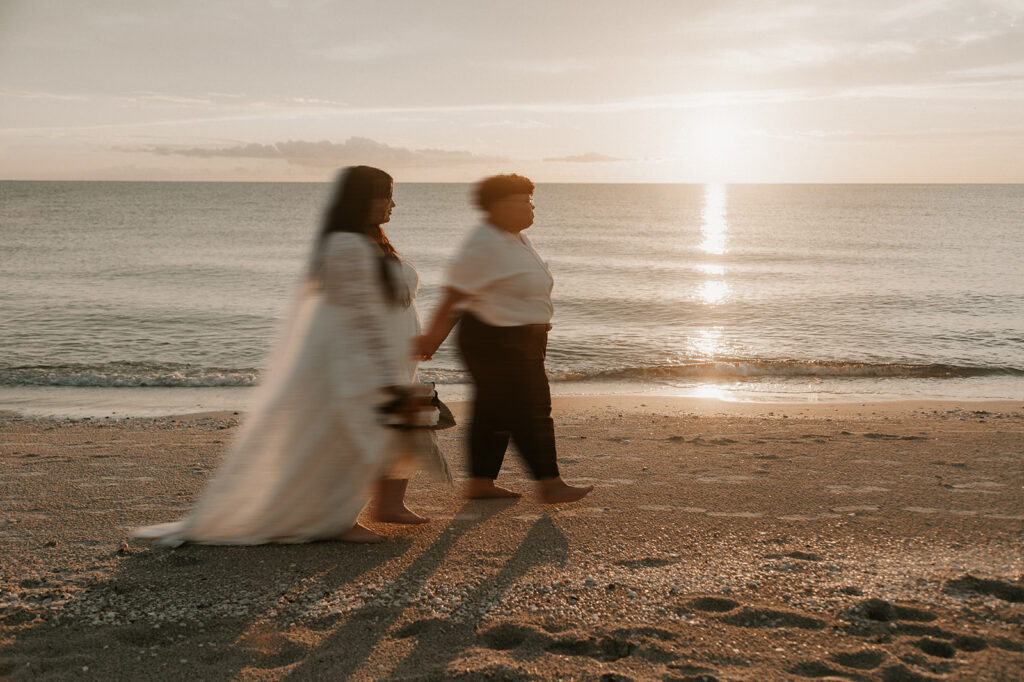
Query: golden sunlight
(709, 391)
(713, 291)
(718, 146)
(707, 343)
(711, 268)
(714, 225)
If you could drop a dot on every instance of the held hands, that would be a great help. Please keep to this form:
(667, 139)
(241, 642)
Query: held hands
(423, 348)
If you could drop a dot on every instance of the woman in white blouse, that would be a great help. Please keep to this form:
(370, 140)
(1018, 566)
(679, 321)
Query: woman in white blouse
(499, 290)
(314, 445)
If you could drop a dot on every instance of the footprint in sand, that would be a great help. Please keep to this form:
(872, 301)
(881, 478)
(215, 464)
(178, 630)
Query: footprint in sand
(425, 625)
(816, 669)
(507, 636)
(603, 482)
(969, 643)
(723, 478)
(502, 637)
(802, 556)
(750, 617)
(648, 562)
(936, 647)
(995, 588)
(711, 604)
(581, 511)
(839, 488)
(694, 673)
(853, 508)
(984, 487)
(737, 514)
(864, 659)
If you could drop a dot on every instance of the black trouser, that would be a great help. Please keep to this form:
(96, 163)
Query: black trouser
(512, 397)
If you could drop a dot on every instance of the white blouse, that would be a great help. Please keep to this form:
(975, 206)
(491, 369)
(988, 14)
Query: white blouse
(352, 289)
(507, 282)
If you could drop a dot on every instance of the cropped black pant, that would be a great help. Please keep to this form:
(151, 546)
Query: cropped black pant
(512, 398)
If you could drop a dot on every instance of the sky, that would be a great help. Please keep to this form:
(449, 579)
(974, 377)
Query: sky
(559, 90)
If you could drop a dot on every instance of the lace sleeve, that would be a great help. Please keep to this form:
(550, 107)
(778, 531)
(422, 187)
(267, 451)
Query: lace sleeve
(351, 281)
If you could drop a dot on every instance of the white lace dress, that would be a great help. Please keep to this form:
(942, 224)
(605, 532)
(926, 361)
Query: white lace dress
(312, 445)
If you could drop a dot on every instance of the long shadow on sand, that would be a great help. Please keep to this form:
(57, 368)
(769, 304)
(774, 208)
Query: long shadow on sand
(181, 612)
(216, 612)
(439, 640)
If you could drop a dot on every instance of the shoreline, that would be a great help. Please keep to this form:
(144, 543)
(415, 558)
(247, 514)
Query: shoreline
(61, 402)
(875, 541)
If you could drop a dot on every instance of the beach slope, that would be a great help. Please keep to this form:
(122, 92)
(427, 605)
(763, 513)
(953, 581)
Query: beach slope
(722, 542)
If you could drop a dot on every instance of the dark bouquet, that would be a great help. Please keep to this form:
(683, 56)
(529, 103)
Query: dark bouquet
(418, 407)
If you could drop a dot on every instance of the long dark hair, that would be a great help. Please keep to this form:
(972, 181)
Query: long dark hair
(357, 188)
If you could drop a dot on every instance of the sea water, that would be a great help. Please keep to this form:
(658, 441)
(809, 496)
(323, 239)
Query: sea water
(159, 297)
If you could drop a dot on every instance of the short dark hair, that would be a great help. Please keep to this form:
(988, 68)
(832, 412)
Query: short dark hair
(497, 187)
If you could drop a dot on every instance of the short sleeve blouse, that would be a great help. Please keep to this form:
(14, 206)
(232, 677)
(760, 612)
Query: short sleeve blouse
(507, 282)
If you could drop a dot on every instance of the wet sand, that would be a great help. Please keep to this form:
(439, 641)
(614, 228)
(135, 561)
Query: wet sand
(723, 542)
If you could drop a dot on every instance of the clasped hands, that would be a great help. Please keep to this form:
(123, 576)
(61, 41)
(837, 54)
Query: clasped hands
(423, 348)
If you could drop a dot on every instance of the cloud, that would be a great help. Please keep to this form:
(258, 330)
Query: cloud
(355, 150)
(149, 96)
(527, 124)
(920, 134)
(589, 157)
(28, 94)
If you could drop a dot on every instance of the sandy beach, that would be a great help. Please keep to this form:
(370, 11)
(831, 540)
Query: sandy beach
(723, 541)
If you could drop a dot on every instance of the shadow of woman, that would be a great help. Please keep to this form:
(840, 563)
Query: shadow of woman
(439, 640)
(194, 608)
(350, 646)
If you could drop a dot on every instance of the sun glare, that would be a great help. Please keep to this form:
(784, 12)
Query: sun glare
(707, 343)
(718, 145)
(713, 224)
(714, 228)
(713, 291)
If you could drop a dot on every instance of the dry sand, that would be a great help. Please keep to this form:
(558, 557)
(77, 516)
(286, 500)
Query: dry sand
(722, 542)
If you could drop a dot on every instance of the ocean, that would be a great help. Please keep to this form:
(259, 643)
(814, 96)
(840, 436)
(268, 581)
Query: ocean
(125, 297)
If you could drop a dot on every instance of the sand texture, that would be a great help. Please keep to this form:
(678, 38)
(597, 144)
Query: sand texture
(862, 542)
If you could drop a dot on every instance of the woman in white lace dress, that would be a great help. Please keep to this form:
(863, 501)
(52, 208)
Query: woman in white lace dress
(313, 447)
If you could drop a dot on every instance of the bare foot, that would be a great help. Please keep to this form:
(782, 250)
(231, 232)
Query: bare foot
(557, 491)
(484, 489)
(360, 533)
(400, 514)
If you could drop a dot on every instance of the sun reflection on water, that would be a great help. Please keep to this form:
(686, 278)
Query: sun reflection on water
(708, 391)
(707, 343)
(711, 269)
(713, 227)
(714, 224)
(713, 291)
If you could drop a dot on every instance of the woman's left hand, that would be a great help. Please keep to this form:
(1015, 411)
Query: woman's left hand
(421, 349)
